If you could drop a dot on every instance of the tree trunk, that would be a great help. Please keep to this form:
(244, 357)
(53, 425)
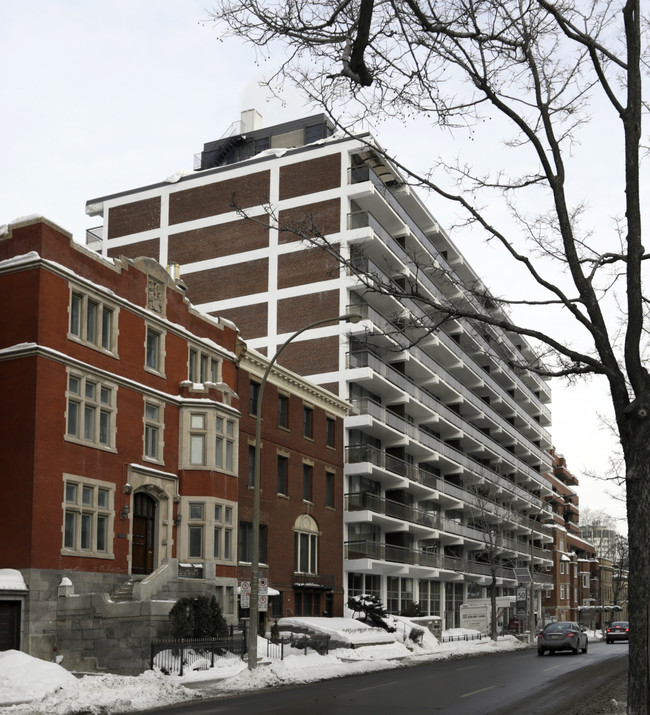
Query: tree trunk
(636, 447)
(493, 607)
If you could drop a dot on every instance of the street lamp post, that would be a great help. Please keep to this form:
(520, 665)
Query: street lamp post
(255, 567)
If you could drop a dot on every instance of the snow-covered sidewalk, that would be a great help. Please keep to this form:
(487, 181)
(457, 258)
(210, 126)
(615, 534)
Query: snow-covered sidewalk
(32, 686)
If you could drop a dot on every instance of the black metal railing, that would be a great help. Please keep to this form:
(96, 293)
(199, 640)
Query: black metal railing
(174, 655)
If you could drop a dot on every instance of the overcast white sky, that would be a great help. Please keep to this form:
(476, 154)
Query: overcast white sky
(103, 96)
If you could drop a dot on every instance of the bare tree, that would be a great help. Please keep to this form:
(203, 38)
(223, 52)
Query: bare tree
(543, 74)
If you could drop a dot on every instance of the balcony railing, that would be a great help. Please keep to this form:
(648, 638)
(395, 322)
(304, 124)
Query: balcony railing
(365, 219)
(313, 580)
(379, 458)
(357, 501)
(365, 173)
(412, 557)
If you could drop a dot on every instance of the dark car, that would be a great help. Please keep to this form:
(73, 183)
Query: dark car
(564, 635)
(617, 631)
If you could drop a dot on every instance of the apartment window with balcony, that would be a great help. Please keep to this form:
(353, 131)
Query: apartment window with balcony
(283, 475)
(202, 367)
(308, 422)
(307, 479)
(88, 517)
(246, 542)
(91, 411)
(283, 411)
(154, 350)
(305, 545)
(153, 431)
(93, 322)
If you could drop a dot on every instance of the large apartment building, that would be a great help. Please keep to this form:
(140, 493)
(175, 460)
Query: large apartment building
(437, 424)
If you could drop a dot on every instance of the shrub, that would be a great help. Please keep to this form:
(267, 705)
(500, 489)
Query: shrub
(198, 617)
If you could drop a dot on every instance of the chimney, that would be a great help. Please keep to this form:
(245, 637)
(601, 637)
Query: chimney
(251, 120)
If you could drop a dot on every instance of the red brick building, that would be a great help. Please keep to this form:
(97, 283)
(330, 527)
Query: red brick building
(574, 558)
(124, 438)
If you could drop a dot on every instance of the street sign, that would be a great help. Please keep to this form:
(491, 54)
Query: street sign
(522, 593)
(263, 587)
(263, 603)
(245, 587)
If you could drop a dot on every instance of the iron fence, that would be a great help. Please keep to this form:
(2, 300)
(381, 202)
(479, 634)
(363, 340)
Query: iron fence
(277, 648)
(173, 655)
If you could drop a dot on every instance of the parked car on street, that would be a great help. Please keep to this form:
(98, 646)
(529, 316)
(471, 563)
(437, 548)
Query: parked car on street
(564, 635)
(617, 631)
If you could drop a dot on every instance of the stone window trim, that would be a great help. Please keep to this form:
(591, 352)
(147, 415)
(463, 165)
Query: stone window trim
(306, 535)
(220, 434)
(87, 504)
(93, 321)
(203, 366)
(91, 410)
(154, 349)
(209, 517)
(153, 426)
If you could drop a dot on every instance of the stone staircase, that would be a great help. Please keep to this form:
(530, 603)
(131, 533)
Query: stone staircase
(124, 593)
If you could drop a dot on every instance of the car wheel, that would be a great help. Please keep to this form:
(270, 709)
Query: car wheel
(540, 651)
(574, 651)
(584, 650)
(608, 641)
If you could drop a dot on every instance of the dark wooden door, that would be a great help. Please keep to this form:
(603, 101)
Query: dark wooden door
(9, 625)
(142, 544)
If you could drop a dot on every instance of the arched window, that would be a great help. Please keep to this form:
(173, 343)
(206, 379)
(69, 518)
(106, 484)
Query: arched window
(305, 545)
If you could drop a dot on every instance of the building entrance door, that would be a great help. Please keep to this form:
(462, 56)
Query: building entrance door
(9, 625)
(142, 544)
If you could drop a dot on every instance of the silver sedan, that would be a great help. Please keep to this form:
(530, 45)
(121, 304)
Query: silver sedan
(564, 635)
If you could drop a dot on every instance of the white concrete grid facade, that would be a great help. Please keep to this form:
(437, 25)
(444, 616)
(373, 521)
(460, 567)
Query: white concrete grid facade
(431, 422)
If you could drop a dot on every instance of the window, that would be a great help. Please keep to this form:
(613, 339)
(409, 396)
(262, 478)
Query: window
(252, 397)
(93, 322)
(283, 474)
(307, 474)
(308, 422)
(225, 444)
(195, 531)
(251, 465)
(225, 596)
(202, 367)
(222, 544)
(329, 489)
(283, 411)
(246, 543)
(561, 592)
(208, 440)
(154, 350)
(561, 566)
(153, 431)
(90, 411)
(88, 517)
(305, 545)
(330, 427)
(585, 580)
(197, 438)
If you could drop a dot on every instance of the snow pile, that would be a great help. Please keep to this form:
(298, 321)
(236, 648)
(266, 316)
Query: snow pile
(23, 678)
(29, 686)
